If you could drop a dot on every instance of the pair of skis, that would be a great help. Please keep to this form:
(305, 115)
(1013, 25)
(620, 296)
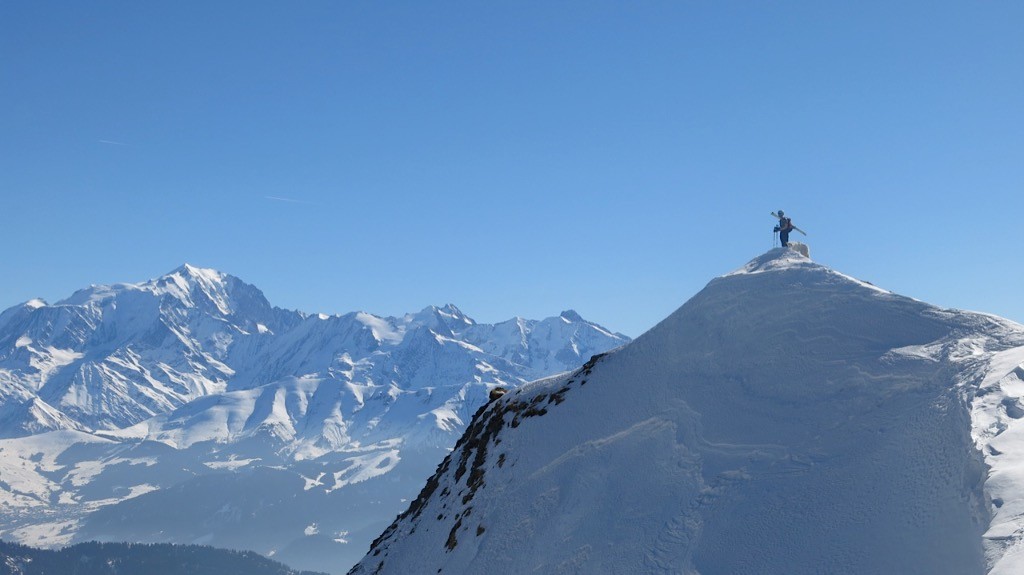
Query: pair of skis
(778, 217)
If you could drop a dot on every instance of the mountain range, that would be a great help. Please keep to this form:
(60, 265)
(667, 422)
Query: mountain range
(188, 409)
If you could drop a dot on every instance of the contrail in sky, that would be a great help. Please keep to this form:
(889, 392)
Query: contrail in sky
(289, 200)
(112, 143)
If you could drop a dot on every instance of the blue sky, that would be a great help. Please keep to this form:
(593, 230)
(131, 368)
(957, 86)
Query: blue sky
(511, 157)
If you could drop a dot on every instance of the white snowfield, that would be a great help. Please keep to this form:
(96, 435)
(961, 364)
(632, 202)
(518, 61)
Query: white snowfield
(788, 419)
(196, 409)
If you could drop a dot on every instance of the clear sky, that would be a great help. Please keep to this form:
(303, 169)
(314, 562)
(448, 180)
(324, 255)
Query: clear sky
(513, 158)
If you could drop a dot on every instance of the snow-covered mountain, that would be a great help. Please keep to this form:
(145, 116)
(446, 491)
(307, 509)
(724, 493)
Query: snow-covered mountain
(787, 419)
(174, 402)
(111, 356)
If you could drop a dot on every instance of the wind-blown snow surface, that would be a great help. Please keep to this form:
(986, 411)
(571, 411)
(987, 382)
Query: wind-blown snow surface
(787, 419)
(187, 409)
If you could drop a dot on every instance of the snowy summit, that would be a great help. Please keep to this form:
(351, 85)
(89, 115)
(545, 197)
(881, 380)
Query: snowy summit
(787, 419)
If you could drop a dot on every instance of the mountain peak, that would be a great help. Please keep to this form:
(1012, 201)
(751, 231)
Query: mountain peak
(195, 273)
(571, 316)
(455, 314)
(784, 406)
(774, 260)
(442, 319)
(190, 285)
(789, 260)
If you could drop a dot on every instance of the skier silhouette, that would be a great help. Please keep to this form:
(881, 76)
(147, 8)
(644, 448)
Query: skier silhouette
(785, 226)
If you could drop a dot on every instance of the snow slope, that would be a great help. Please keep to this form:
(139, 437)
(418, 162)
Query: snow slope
(191, 393)
(787, 419)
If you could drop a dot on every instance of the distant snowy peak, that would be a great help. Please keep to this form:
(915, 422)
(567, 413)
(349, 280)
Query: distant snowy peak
(447, 321)
(191, 287)
(449, 316)
(230, 297)
(570, 316)
(550, 345)
(112, 355)
(196, 286)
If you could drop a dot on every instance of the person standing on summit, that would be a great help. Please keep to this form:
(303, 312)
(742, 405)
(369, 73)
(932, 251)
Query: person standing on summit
(785, 226)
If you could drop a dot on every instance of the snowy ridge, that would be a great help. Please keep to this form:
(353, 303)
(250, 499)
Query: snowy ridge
(109, 357)
(828, 425)
(191, 392)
